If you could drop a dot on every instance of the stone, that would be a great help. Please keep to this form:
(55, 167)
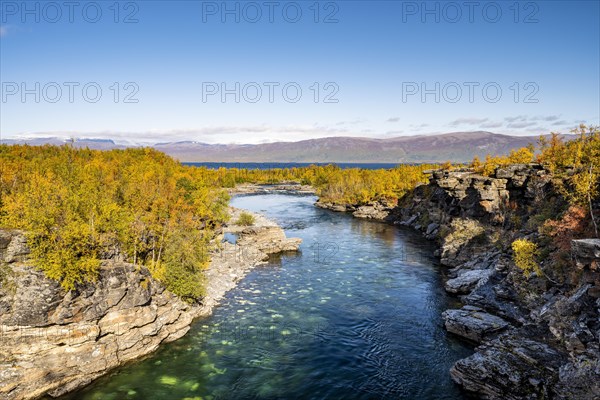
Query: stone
(431, 228)
(13, 246)
(473, 323)
(374, 211)
(332, 206)
(509, 368)
(579, 379)
(586, 249)
(409, 221)
(466, 281)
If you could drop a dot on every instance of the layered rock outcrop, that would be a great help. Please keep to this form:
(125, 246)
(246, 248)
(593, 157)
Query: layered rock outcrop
(52, 341)
(374, 210)
(538, 338)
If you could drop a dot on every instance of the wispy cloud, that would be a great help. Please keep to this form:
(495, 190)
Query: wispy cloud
(353, 122)
(210, 134)
(468, 121)
(393, 119)
(492, 124)
(516, 118)
(551, 118)
(521, 125)
(3, 30)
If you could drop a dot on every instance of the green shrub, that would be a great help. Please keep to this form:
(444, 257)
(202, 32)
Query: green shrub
(79, 206)
(246, 219)
(464, 230)
(524, 256)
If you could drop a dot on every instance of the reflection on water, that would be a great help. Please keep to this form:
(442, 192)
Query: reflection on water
(354, 315)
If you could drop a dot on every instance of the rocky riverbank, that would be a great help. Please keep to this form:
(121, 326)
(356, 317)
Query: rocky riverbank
(283, 188)
(375, 210)
(53, 342)
(539, 336)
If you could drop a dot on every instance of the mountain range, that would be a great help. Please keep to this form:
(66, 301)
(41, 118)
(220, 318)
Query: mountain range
(455, 146)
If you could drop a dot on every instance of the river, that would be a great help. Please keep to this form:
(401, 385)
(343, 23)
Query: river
(354, 315)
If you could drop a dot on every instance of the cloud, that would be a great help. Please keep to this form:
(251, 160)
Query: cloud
(561, 122)
(354, 122)
(393, 119)
(3, 30)
(551, 118)
(389, 133)
(517, 118)
(491, 124)
(468, 121)
(520, 125)
(209, 134)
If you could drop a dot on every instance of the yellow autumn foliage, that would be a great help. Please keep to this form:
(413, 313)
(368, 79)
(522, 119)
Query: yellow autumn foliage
(524, 256)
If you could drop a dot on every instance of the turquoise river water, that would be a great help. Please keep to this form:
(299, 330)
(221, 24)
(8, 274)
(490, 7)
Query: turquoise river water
(354, 315)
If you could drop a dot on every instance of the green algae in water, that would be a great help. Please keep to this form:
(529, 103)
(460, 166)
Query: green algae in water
(168, 380)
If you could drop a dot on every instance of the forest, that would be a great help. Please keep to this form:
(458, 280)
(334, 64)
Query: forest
(80, 206)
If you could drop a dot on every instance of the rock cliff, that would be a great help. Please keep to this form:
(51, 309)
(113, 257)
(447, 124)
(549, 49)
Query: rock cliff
(52, 341)
(538, 337)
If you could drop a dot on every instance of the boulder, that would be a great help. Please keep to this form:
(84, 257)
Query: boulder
(587, 252)
(374, 211)
(268, 239)
(467, 280)
(510, 368)
(473, 323)
(432, 228)
(332, 206)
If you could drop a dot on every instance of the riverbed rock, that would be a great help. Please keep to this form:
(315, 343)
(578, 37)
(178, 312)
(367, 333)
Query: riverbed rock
(290, 187)
(510, 368)
(473, 323)
(332, 206)
(268, 239)
(374, 211)
(467, 280)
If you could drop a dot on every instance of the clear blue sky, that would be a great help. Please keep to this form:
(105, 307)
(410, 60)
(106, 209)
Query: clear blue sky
(374, 61)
